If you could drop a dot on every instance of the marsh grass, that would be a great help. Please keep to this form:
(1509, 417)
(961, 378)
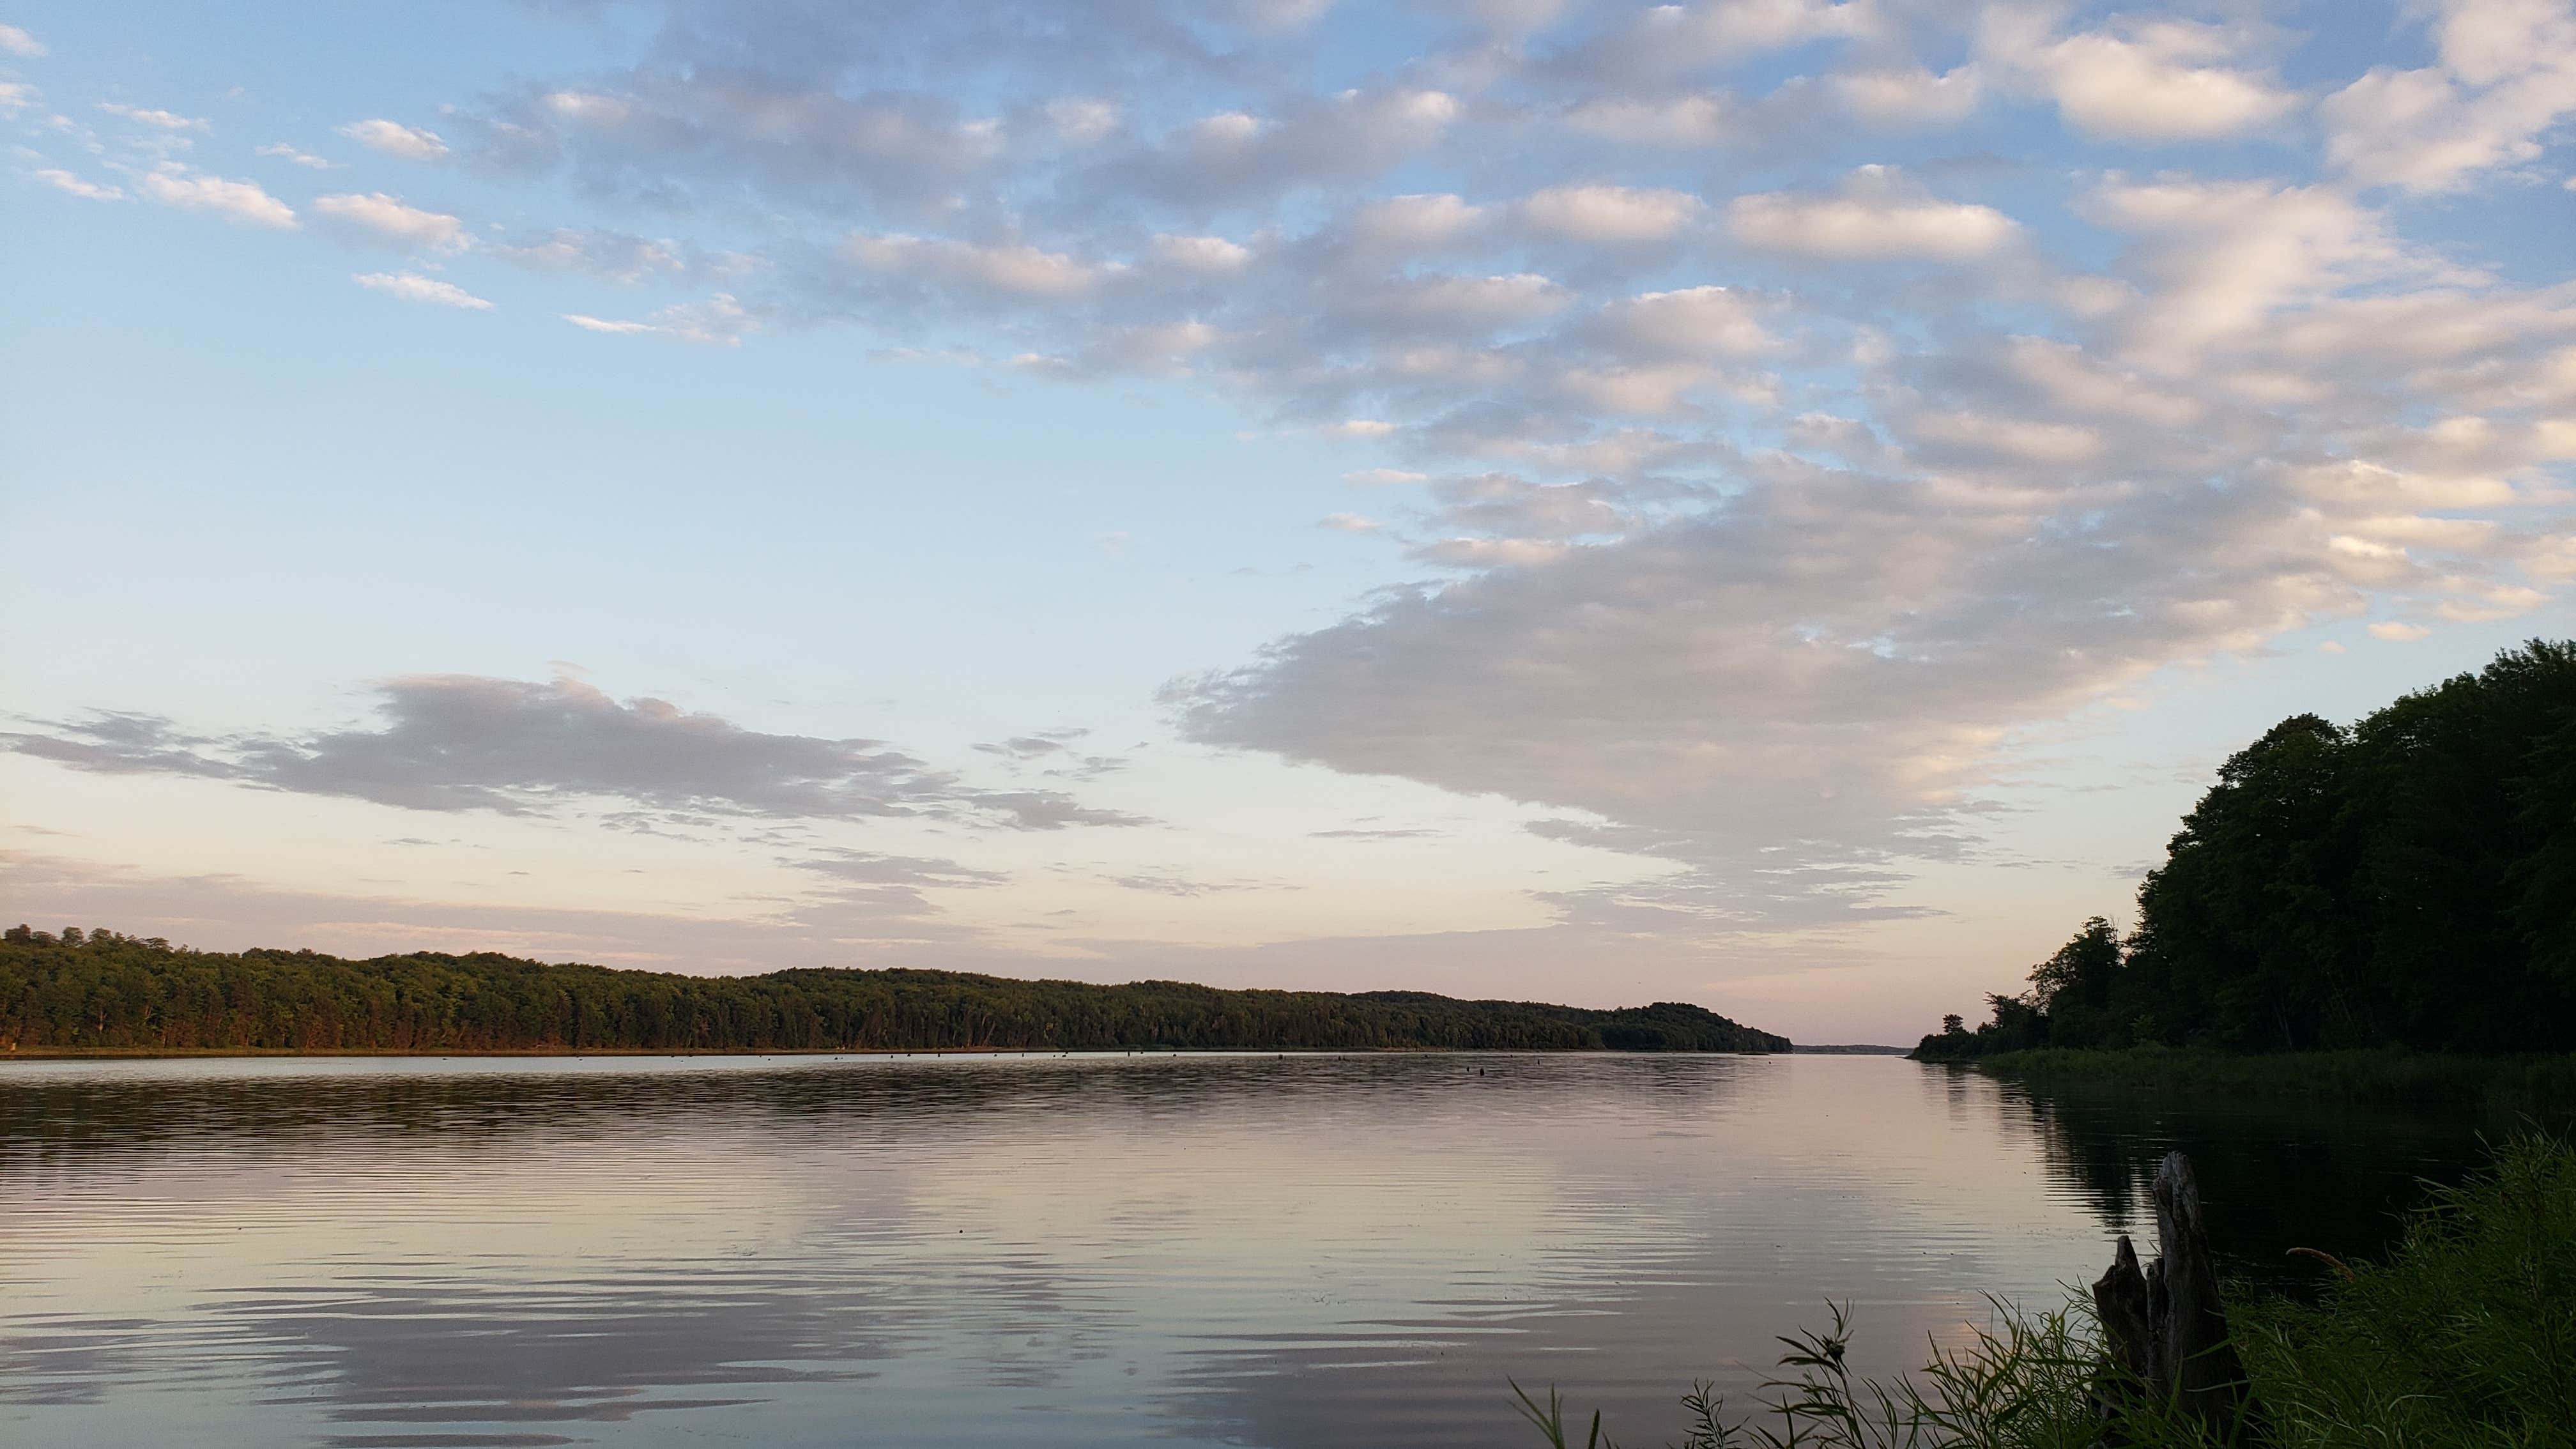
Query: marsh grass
(2464, 1339)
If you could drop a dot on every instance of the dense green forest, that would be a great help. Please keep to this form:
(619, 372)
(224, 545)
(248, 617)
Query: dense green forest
(99, 989)
(2407, 882)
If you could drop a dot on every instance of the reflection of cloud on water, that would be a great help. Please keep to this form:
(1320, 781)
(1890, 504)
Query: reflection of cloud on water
(1278, 1251)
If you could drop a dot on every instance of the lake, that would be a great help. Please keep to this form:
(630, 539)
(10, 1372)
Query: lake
(1184, 1250)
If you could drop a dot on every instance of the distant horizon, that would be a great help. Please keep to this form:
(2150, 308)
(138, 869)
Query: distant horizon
(1778, 505)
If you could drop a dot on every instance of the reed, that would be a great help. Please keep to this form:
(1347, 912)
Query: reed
(2464, 1339)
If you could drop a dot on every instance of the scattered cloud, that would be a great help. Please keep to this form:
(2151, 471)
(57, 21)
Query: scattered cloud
(2145, 80)
(241, 201)
(284, 152)
(1609, 214)
(14, 41)
(2506, 75)
(66, 181)
(392, 138)
(157, 120)
(1910, 95)
(460, 742)
(1012, 267)
(616, 256)
(1751, 531)
(378, 217)
(717, 321)
(1876, 215)
(412, 287)
(1213, 254)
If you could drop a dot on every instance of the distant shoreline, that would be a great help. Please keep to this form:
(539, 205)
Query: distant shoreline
(93, 991)
(65, 1054)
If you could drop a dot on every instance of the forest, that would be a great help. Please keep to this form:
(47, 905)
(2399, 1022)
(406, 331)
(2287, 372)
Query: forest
(2408, 882)
(98, 989)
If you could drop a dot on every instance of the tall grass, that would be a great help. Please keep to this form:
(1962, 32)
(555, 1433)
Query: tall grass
(2464, 1339)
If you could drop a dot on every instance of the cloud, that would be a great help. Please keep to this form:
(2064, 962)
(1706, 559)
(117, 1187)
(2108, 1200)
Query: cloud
(379, 217)
(1213, 254)
(461, 742)
(1011, 267)
(2150, 81)
(1686, 121)
(19, 43)
(1740, 563)
(1414, 223)
(1307, 141)
(616, 256)
(66, 181)
(717, 321)
(157, 120)
(1609, 214)
(2225, 256)
(16, 96)
(1705, 321)
(242, 201)
(1910, 95)
(411, 287)
(1173, 883)
(833, 923)
(1876, 215)
(2507, 73)
(285, 152)
(1666, 40)
(393, 138)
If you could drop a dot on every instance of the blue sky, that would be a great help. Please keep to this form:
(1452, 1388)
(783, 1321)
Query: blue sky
(1774, 503)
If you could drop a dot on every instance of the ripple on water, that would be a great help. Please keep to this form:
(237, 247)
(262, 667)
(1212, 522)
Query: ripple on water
(1060, 1250)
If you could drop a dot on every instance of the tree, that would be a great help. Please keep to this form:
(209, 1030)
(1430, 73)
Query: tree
(2408, 882)
(2074, 987)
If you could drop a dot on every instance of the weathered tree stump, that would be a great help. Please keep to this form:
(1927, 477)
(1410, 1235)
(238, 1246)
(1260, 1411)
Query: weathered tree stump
(2163, 1329)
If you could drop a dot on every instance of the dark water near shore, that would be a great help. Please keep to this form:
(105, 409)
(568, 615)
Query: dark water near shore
(1315, 1250)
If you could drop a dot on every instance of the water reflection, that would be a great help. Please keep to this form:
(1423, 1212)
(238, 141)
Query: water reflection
(1200, 1250)
(2274, 1174)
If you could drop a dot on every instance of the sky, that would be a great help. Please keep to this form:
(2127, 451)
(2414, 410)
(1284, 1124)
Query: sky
(1778, 504)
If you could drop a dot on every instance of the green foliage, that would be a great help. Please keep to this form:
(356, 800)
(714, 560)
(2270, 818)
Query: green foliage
(2465, 1339)
(2409, 882)
(101, 990)
(2466, 1336)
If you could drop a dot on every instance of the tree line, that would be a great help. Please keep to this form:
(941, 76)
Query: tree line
(100, 989)
(2407, 882)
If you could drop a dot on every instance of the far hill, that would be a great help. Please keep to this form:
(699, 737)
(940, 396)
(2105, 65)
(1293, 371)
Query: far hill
(98, 990)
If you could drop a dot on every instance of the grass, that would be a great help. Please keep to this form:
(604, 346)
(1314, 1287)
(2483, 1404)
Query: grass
(2464, 1339)
(2385, 1078)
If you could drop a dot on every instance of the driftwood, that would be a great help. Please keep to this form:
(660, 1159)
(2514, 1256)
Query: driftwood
(2163, 1329)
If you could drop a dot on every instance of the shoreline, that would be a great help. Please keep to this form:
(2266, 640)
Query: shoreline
(59, 1054)
(2377, 1077)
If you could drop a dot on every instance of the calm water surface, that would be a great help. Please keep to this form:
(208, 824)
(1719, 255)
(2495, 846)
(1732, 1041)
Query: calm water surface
(1186, 1250)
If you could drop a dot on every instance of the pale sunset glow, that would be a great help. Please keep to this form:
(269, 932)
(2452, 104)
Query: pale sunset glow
(1776, 506)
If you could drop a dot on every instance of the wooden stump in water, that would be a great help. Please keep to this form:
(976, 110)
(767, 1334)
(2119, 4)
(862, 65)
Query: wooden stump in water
(2163, 1329)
